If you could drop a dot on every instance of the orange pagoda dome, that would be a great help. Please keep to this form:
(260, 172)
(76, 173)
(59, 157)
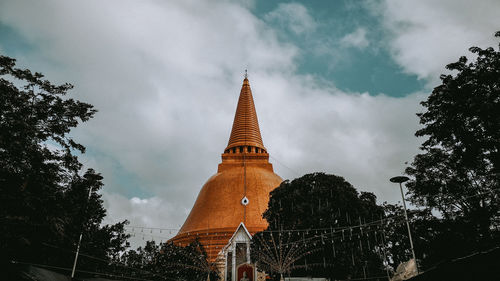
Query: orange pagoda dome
(239, 191)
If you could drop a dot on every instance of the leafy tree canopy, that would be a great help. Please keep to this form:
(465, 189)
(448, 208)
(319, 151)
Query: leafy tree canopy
(457, 172)
(44, 194)
(167, 261)
(326, 203)
(435, 239)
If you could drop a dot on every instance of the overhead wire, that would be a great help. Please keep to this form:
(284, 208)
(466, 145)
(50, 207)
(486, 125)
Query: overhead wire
(305, 229)
(281, 163)
(102, 260)
(79, 270)
(293, 230)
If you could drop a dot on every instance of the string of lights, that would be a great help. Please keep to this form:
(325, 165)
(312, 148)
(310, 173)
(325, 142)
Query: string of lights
(173, 230)
(345, 234)
(307, 230)
(365, 232)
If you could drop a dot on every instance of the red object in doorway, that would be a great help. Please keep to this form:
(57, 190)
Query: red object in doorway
(245, 268)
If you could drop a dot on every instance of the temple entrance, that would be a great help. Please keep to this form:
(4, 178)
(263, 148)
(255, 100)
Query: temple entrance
(238, 265)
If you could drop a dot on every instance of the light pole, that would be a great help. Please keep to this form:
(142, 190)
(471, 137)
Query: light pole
(401, 179)
(79, 241)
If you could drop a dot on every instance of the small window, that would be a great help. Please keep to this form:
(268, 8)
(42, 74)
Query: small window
(241, 253)
(249, 149)
(241, 149)
(229, 265)
(234, 149)
(256, 150)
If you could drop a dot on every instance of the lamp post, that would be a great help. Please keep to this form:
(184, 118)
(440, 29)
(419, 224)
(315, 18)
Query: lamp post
(401, 179)
(79, 242)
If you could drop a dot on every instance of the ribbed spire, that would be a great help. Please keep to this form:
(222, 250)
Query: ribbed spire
(245, 131)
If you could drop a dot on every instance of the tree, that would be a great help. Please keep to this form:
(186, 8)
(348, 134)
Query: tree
(43, 191)
(167, 261)
(435, 239)
(325, 211)
(458, 172)
(141, 263)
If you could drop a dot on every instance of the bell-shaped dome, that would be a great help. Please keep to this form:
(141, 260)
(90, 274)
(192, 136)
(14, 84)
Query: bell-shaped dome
(239, 191)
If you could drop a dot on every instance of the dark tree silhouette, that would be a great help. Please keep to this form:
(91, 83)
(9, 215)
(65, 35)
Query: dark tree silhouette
(43, 191)
(166, 261)
(326, 204)
(458, 171)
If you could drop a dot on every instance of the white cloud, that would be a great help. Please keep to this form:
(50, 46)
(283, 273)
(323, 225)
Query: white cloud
(143, 212)
(309, 128)
(293, 16)
(426, 35)
(356, 39)
(166, 76)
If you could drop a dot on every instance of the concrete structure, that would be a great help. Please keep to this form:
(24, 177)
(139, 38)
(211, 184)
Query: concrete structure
(235, 260)
(236, 196)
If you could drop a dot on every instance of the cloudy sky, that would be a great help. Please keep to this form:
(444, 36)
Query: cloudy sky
(336, 85)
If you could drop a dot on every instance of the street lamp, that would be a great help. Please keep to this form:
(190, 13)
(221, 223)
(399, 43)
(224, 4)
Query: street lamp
(79, 241)
(401, 179)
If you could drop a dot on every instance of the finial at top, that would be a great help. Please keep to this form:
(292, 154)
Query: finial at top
(246, 74)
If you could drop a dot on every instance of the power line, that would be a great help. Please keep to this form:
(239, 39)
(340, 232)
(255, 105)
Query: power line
(293, 230)
(300, 230)
(281, 163)
(153, 228)
(79, 270)
(376, 222)
(102, 260)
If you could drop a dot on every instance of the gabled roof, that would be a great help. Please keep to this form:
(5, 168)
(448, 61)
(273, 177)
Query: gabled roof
(241, 226)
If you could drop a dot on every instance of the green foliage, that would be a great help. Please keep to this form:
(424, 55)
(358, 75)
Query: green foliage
(43, 192)
(434, 239)
(319, 200)
(457, 174)
(167, 261)
(327, 202)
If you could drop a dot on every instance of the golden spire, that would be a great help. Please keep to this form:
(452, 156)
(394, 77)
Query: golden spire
(245, 131)
(239, 191)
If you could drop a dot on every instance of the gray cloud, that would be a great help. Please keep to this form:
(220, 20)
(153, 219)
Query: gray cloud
(427, 35)
(166, 75)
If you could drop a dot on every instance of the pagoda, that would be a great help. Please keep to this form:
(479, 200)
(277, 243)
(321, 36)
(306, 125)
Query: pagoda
(229, 207)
